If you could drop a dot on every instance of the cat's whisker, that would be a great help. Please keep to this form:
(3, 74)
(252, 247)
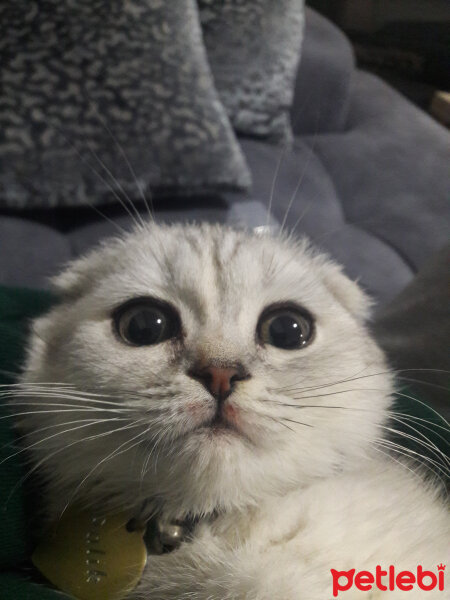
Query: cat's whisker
(39, 404)
(26, 399)
(37, 399)
(271, 269)
(297, 422)
(66, 408)
(156, 441)
(109, 186)
(427, 468)
(121, 449)
(313, 388)
(274, 182)
(51, 455)
(300, 218)
(103, 179)
(295, 387)
(300, 181)
(119, 146)
(411, 451)
(280, 420)
(97, 390)
(145, 461)
(82, 406)
(94, 398)
(421, 442)
(34, 384)
(39, 412)
(271, 417)
(423, 382)
(294, 121)
(413, 418)
(399, 418)
(336, 393)
(301, 406)
(46, 428)
(134, 213)
(402, 463)
(393, 372)
(427, 406)
(401, 394)
(54, 392)
(58, 433)
(407, 452)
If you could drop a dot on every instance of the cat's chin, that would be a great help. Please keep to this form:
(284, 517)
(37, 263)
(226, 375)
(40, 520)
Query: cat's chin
(216, 432)
(218, 470)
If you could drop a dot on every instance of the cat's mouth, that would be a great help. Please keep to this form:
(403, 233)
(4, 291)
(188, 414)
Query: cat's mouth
(224, 421)
(220, 425)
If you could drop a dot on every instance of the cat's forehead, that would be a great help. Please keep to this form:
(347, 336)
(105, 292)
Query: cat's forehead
(209, 265)
(205, 269)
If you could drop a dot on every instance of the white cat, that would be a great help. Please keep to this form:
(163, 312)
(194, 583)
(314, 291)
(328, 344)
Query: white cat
(240, 386)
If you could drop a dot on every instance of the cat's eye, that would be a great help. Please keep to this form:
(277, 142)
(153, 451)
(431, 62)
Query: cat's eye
(288, 328)
(146, 322)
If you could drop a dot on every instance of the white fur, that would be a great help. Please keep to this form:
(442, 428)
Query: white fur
(294, 500)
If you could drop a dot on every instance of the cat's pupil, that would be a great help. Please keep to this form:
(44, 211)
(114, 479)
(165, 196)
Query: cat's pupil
(146, 327)
(285, 332)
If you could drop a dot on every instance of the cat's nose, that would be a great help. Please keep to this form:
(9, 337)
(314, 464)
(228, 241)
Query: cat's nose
(219, 381)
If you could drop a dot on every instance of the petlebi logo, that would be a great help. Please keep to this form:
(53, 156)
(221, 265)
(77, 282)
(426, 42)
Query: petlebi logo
(388, 579)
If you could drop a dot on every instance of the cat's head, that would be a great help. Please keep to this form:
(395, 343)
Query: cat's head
(207, 367)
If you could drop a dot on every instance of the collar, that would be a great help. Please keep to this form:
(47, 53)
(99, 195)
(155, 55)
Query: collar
(96, 557)
(163, 535)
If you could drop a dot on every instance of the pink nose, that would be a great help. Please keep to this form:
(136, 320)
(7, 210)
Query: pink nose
(219, 380)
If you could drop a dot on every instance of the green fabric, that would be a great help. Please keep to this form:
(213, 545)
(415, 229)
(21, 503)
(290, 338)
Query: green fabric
(17, 308)
(13, 587)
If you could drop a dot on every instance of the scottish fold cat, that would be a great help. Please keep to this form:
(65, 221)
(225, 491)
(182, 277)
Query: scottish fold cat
(227, 379)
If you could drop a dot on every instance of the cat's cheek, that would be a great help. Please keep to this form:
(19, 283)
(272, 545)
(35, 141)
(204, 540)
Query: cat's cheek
(122, 366)
(276, 362)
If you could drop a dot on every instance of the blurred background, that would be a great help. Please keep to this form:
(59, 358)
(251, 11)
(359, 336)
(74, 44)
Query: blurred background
(406, 42)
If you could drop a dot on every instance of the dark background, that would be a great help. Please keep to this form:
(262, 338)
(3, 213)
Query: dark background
(407, 42)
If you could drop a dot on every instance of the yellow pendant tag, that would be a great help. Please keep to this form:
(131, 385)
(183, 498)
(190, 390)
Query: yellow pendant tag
(92, 557)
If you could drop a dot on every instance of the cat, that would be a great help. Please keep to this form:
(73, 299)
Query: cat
(228, 377)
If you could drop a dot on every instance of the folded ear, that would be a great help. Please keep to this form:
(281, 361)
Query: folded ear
(79, 276)
(347, 292)
(69, 283)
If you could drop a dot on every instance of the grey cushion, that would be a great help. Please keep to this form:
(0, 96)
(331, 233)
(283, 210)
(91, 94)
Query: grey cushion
(324, 81)
(391, 170)
(254, 50)
(81, 77)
